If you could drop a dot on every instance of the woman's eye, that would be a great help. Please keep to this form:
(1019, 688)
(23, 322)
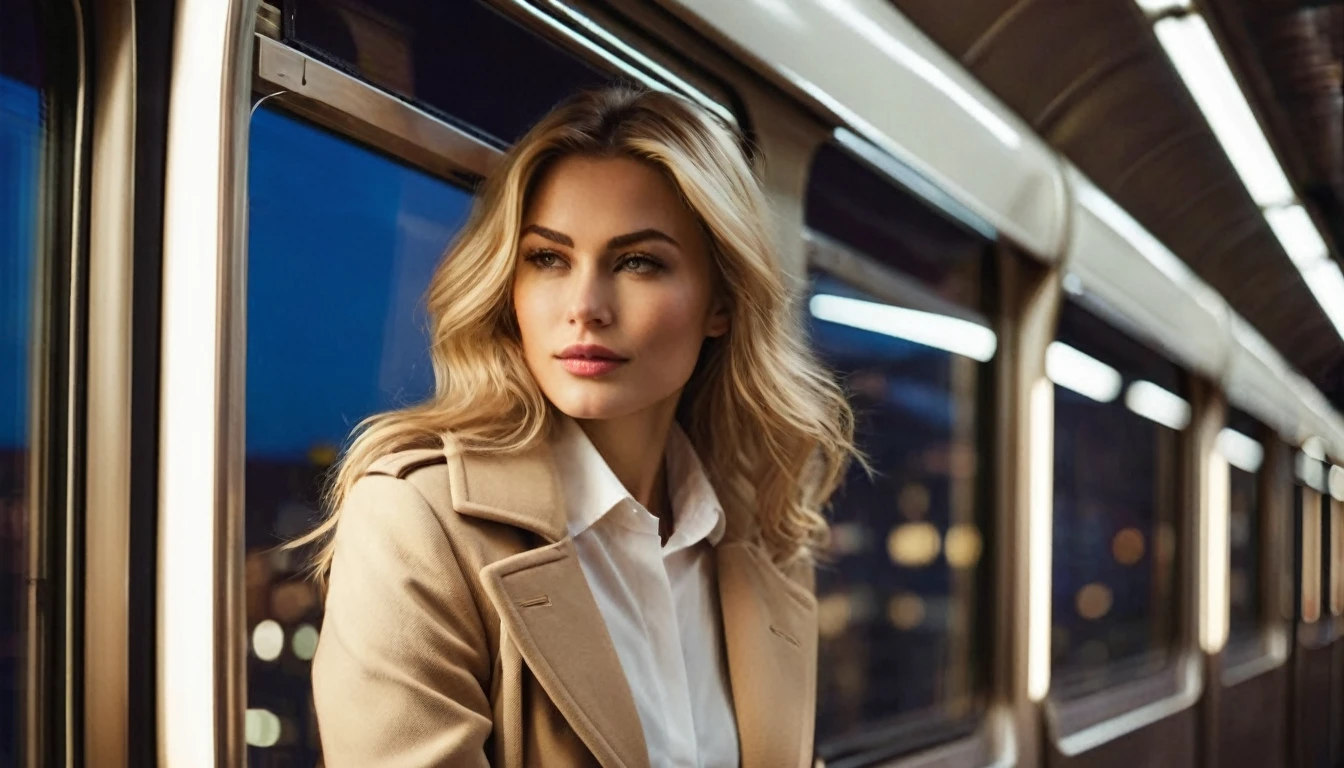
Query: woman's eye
(641, 265)
(544, 259)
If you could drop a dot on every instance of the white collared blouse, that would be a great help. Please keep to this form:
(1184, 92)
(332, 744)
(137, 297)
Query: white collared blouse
(660, 602)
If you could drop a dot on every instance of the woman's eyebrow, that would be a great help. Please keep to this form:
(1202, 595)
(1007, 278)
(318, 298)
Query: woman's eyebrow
(620, 241)
(549, 234)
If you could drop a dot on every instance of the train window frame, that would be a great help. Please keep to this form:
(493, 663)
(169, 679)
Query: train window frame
(1243, 648)
(1275, 566)
(1083, 721)
(597, 38)
(966, 741)
(49, 722)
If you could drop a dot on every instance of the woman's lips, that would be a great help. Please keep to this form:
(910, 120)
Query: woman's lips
(589, 360)
(590, 366)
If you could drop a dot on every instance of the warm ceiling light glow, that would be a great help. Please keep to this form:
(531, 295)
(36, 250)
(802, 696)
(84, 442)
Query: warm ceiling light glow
(1298, 235)
(1196, 56)
(1157, 404)
(1243, 452)
(1216, 557)
(951, 334)
(1081, 373)
(1040, 537)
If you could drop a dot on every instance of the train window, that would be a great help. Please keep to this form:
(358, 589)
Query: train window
(1119, 410)
(432, 52)
(341, 248)
(1239, 443)
(899, 592)
(23, 129)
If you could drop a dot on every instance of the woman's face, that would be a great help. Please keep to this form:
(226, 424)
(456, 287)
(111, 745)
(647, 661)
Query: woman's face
(614, 290)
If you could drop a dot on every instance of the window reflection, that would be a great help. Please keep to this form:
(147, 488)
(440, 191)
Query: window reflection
(1239, 443)
(902, 662)
(897, 610)
(22, 126)
(1118, 412)
(341, 248)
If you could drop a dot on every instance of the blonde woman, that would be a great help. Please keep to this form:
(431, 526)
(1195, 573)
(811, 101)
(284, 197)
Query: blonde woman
(593, 544)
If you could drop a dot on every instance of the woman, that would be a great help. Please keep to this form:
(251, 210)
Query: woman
(593, 544)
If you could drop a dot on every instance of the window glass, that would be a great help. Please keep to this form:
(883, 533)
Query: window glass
(341, 248)
(22, 127)
(433, 53)
(900, 623)
(1240, 444)
(1119, 410)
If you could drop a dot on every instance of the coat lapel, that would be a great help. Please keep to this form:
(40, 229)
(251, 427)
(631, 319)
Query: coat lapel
(770, 634)
(545, 605)
(548, 610)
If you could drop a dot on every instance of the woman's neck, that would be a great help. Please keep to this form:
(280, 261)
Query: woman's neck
(634, 447)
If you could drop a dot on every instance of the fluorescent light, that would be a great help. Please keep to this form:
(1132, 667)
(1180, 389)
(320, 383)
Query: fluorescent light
(1081, 373)
(1154, 7)
(1327, 285)
(1217, 554)
(1157, 404)
(1296, 231)
(1040, 535)
(1243, 452)
(952, 334)
(1195, 54)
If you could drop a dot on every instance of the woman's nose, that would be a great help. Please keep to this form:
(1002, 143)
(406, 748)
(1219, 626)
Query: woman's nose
(590, 302)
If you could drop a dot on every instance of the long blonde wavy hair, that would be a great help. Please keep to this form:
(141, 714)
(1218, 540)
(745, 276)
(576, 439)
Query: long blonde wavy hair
(770, 424)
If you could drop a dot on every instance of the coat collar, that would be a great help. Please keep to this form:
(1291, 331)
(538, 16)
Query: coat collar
(546, 606)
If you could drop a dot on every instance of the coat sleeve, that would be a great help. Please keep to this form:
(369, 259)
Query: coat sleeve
(402, 663)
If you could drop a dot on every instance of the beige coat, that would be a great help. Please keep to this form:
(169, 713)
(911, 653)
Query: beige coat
(460, 630)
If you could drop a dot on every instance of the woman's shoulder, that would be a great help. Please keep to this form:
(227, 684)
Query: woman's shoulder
(464, 488)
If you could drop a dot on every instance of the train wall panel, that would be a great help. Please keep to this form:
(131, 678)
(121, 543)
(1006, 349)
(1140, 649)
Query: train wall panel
(1253, 722)
(1314, 681)
(1169, 743)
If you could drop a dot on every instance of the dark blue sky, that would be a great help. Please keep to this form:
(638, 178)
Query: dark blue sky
(19, 141)
(342, 243)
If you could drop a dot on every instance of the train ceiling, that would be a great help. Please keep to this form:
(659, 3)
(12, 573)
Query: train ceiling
(1092, 79)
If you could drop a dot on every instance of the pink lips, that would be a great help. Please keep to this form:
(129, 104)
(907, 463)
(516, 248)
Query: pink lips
(589, 360)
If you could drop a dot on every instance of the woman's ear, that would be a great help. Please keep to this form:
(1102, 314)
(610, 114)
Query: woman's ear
(719, 319)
